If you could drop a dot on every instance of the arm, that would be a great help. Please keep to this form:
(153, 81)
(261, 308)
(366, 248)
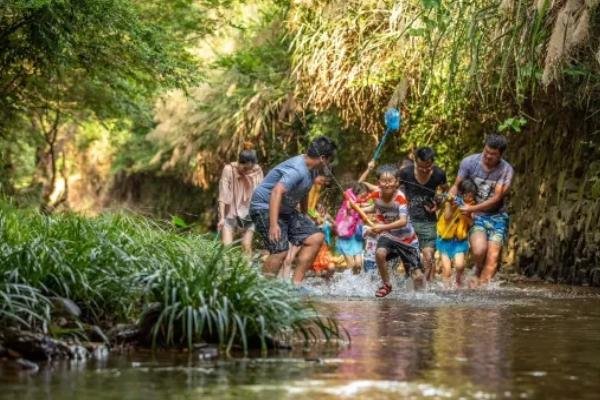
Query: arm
(370, 167)
(222, 211)
(304, 205)
(492, 202)
(225, 195)
(463, 173)
(454, 189)
(274, 206)
(368, 209)
(399, 223)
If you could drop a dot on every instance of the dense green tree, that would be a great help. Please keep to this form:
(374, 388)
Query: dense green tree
(70, 60)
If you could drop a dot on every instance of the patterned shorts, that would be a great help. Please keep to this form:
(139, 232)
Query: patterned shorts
(495, 226)
(295, 228)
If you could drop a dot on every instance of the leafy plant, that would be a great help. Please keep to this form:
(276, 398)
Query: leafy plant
(114, 266)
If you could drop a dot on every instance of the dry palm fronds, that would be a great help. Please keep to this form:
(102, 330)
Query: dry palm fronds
(571, 29)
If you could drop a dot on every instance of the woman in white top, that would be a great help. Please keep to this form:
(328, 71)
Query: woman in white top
(238, 181)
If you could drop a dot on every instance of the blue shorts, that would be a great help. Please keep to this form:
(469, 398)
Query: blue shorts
(452, 247)
(495, 226)
(349, 246)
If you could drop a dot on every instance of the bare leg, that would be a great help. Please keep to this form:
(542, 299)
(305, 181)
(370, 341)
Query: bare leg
(349, 262)
(446, 269)
(273, 263)
(307, 254)
(380, 259)
(358, 263)
(479, 247)
(459, 264)
(429, 263)
(286, 272)
(247, 242)
(418, 278)
(227, 235)
(491, 262)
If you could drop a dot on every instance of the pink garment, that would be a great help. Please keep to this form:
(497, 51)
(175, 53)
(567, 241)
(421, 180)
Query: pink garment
(235, 189)
(347, 219)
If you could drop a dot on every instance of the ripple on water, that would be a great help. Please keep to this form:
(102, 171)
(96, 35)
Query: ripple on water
(498, 294)
(358, 389)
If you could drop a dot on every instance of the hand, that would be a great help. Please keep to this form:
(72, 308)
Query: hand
(322, 180)
(371, 165)
(220, 224)
(466, 209)
(274, 233)
(430, 208)
(453, 191)
(377, 229)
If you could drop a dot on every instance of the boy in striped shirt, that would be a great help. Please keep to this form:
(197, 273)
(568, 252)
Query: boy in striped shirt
(397, 237)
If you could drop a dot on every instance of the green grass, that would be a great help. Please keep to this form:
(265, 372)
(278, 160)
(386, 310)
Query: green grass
(116, 267)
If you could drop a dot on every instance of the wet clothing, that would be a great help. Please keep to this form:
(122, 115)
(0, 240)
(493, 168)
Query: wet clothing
(419, 195)
(408, 254)
(495, 226)
(295, 177)
(295, 228)
(472, 167)
(452, 247)
(235, 191)
(389, 212)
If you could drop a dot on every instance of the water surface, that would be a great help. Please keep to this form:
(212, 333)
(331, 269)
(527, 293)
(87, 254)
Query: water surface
(510, 341)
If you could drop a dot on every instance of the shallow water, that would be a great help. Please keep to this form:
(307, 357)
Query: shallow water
(510, 341)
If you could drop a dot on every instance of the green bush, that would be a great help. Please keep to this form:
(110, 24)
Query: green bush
(116, 267)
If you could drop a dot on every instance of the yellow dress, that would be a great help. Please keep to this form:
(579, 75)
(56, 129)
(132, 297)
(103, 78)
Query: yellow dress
(455, 228)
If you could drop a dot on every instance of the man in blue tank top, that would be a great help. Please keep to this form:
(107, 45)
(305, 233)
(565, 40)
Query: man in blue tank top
(493, 176)
(274, 208)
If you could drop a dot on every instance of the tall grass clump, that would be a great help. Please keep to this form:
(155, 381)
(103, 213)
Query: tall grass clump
(121, 268)
(209, 293)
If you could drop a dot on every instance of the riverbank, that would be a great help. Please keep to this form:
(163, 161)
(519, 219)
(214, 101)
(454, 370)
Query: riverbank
(118, 278)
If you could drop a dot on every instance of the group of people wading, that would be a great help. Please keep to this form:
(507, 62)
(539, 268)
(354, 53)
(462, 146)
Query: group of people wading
(408, 214)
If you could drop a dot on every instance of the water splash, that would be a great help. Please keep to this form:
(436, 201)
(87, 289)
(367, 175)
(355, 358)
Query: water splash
(498, 293)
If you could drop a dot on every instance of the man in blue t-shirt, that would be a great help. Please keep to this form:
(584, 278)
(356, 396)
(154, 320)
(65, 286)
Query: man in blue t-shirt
(274, 207)
(493, 177)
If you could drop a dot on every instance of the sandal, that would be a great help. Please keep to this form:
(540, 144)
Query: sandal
(384, 290)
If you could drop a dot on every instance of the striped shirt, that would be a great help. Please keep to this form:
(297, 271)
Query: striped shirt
(387, 213)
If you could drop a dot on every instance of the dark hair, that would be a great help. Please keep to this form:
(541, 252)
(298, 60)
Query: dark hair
(247, 157)
(387, 169)
(468, 186)
(358, 188)
(495, 141)
(406, 162)
(425, 154)
(321, 146)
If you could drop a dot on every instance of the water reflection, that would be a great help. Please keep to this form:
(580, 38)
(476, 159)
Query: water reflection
(508, 342)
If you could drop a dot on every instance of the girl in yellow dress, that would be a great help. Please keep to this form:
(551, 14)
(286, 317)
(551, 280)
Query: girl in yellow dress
(453, 232)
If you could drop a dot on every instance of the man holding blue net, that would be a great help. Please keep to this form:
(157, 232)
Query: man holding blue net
(274, 207)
